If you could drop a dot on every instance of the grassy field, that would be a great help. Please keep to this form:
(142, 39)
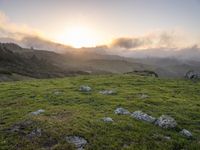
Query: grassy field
(71, 112)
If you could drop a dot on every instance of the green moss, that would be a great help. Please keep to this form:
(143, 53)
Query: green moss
(70, 112)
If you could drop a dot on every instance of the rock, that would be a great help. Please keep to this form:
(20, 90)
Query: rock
(192, 75)
(35, 133)
(139, 115)
(57, 93)
(85, 88)
(186, 133)
(160, 137)
(78, 142)
(143, 96)
(167, 137)
(166, 122)
(107, 119)
(107, 92)
(38, 112)
(121, 111)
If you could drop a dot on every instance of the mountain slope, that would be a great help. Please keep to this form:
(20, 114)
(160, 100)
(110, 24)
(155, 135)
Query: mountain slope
(37, 64)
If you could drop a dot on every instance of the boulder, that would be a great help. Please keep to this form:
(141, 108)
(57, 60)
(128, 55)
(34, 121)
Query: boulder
(121, 111)
(85, 88)
(165, 121)
(107, 92)
(192, 75)
(38, 112)
(139, 115)
(78, 142)
(107, 119)
(186, 133)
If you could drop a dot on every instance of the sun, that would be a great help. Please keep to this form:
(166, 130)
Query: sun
(79, 36)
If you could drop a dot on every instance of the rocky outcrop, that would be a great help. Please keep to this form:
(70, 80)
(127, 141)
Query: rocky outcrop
(165, 121)
(107, 119)
(139, 115)
(38, 112)
(85, 88)
(121, 111)
(77, 141)
(186, 133)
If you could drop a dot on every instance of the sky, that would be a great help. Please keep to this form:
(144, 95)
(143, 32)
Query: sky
(98, 22)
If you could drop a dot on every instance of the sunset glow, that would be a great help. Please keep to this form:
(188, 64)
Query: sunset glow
(78, 36)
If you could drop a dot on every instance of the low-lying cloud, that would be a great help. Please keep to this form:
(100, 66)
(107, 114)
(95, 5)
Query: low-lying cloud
(128, 43)
(165, 39)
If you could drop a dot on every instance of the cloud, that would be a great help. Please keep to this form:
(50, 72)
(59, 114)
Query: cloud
(16, 31)
(157, 39)
(128, 43)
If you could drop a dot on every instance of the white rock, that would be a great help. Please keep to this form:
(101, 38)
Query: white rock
(107, 92)
(78, 142)
(107, 119)
(57, 93)
(85, 88)
(139, 115)
(186, 133)
(143, 96)
(38, 112)
(121, 111)
(167, 137)
(166, 122)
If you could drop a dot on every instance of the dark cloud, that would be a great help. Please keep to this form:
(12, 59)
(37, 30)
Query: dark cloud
(164, 39)
(128, 43)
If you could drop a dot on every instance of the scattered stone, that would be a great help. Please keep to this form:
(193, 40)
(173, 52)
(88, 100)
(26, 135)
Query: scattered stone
(35, 133)
(139, 115)
(167, 137)
(186, 133)
(107, 92)
(85, 88)
(143, 96)
(79, 142)
(121, 111)
(166, 122)
(160, 137)
(57, 93)
(38, 112)
(125, 146)
(107, 119)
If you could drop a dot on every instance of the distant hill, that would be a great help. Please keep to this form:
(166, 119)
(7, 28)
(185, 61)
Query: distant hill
(47, 64)
(32, 63)
(36, 63)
